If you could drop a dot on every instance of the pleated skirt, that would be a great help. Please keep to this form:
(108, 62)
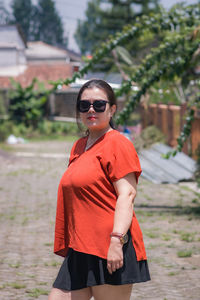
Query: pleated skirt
(80, 270)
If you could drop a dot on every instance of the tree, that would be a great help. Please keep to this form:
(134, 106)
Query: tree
(48, 23)
(107, 17)
(84, 33)
(177, 55)
(22, 13)
(4, 15)
(39, 22)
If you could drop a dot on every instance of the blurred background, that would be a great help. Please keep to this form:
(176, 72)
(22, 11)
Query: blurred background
(148, 51)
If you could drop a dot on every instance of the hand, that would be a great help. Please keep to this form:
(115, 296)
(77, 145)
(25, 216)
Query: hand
(115, 255)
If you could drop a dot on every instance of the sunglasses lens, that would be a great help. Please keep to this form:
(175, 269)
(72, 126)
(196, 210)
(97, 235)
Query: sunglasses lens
(98, 105)
(83, 106)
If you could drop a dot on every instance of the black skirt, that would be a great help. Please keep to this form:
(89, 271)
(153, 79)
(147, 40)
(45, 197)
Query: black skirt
(80, 270)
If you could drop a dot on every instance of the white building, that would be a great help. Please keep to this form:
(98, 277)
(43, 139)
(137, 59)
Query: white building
(12, 51)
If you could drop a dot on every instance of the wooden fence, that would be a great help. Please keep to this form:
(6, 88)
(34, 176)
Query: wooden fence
(170, 120)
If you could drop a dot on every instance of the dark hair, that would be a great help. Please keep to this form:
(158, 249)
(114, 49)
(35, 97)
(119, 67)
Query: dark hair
(103, 85)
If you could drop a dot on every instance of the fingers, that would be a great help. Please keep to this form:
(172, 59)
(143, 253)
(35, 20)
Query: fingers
(113, 266)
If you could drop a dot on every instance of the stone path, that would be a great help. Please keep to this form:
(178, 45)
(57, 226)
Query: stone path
(169, 216)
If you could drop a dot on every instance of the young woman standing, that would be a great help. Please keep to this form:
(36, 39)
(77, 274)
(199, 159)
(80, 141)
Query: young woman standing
(96, 228)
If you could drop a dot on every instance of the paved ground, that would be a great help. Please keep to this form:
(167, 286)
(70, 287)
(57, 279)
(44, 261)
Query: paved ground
(169, 216)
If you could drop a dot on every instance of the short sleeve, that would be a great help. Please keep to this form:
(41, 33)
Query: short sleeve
(120, 158)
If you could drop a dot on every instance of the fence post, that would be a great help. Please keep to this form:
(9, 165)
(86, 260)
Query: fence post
(162, 118)
(186, 145)
(173, 124)
(195, 133)
(152, 114)
(144, 115)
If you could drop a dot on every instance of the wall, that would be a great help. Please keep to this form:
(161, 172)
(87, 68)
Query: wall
(170, 120)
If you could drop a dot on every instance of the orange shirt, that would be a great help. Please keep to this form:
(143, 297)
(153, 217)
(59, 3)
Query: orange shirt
(86, 196)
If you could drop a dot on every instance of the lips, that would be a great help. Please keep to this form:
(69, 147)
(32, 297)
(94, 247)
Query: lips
(91, 118)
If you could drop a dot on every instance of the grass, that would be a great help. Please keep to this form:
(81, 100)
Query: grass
(48, 244)
(151, 234)
(52, 264)
(172, 245)
(54, 137)
(187, 237)
(24, 221)
(166, 237)
(172, 273)
(43, 283)
(36, 292)
(195, 200)
(31, 276)
(3, 286)
(186, 188)
(147, 197)
(16, 266)
(184, 253)
(22, 172)
(17, 285)
(144, 213)
(6, 147)
(151, 246)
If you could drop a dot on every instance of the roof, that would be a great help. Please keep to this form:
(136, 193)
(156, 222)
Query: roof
(160, 170)
(42, 51)
(43, 72)
(12, 35)
(114, 78)
(74, 56)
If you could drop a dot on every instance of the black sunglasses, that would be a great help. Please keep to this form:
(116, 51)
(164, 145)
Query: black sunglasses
(98, 105)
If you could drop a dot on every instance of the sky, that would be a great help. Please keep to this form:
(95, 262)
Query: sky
(72, 10)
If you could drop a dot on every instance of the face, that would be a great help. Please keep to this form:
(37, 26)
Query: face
(96, 120)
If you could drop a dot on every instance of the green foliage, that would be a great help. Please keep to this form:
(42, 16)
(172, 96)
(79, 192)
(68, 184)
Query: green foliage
(173, 59)
(49, 25)
(51, 129)
(164, 92)
(184, 253)
(106, 18)
(36, 292)
(27, 104)
(40, 22)
(23, 13)
(149, 136)
(57, 128)
(5, 129)
(2, 105)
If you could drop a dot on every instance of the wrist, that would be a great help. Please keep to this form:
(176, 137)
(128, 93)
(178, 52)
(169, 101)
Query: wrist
(122, 238)
(115, 240)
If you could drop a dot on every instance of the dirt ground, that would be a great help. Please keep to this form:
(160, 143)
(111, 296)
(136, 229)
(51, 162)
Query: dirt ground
(169, 216)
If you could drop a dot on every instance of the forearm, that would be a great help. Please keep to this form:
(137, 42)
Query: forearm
(123, 213)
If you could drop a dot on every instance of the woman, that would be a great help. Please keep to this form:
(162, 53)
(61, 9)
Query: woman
(96, 228)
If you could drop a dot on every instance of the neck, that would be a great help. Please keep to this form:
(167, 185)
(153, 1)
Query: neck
(95, 134)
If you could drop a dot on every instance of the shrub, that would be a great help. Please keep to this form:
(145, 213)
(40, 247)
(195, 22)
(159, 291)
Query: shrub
(5, 130)
(27, 105)
(149, 136)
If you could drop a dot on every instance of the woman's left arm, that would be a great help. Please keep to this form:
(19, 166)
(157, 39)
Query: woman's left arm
(126, 192)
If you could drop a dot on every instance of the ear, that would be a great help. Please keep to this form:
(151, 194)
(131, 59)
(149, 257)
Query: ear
(113, 109)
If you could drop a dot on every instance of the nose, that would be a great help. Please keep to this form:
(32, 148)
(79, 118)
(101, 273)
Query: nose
(91, 109)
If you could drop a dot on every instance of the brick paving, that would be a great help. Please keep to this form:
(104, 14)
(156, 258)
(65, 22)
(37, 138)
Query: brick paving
(169, 216)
